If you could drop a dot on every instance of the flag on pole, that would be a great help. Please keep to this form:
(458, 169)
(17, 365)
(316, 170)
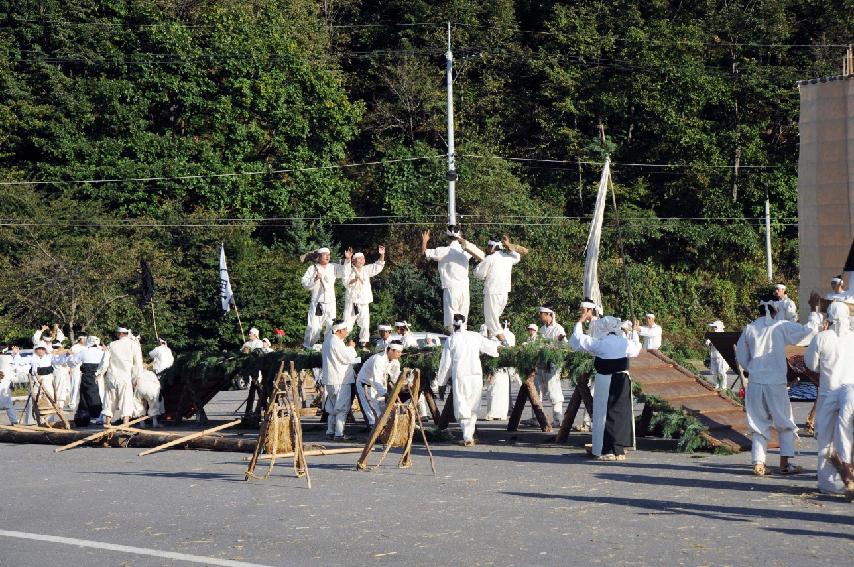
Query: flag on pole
(146, 284)
(591, 260)
(226, 294)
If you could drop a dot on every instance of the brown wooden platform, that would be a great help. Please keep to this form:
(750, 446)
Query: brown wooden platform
(661, 377)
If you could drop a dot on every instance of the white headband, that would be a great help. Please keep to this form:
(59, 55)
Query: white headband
(358, 255)
(385, 328)
(493, 244)
(396, 346)
(588, 305)
(766, 305)
(401, 324)
(339, 326)
(780, 286)
(323, 250)
(453, 233)
(836, 280)
(545, 309)
(532, 326)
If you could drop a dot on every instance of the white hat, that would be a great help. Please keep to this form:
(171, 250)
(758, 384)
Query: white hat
(265, 340)
(611, 324)
(780, 286)
(532, 326)
(395, 346)
(122, 330)
(92, 341)
(401, 324)
(545, 309)
(627, 325)
(718, 324)
(358, 255)
(254, 331)
(338, 326)
(385, 327)
(323, 250)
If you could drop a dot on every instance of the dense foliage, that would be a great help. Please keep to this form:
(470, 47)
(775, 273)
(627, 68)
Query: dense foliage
(227, 121)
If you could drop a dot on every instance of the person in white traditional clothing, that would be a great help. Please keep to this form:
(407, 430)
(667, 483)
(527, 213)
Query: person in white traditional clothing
(161, 357)
(717, 365)
(838, 293)
(650, 333)
(404, 335)
(461, 363)
(7, 374)
(761, 352)
(319, 280)
(74, 364)
(372, 381)
(338, 359)
(121, 366)
(62, 360)
(547, 377)
(253, 342)
(146, 397)
(831, 354)
(845, 431)
(41, 381)
(495, 270)
(42, 337)
(385, 337)
(785, 307)
(358, 294)
(268, 346)
(498, 390)
(532, 331)
(90, 402)
(612, 403)
(453, 261)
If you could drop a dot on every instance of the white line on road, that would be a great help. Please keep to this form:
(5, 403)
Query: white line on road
(129, 549)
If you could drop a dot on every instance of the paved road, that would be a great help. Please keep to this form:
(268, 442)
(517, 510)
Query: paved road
(496, 504)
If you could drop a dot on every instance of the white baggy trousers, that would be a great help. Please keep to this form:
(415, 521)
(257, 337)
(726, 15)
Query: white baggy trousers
(493, 307)
(547, 379)
(768, 405)
(467, 394)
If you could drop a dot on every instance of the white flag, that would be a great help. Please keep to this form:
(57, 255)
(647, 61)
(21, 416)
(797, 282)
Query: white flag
(591, 261)
(225, 292)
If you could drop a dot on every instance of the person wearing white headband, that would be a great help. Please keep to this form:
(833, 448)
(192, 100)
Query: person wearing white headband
(372, 381)
(761, 351)
(496, 272)
(650, 333)
(461, 363)
(319, 280)
(718, 367)
(498, 390)
(453, 261)
(385, 332)
(611, 422)
(121, 366)
(785, 307)
(831, 354)
(161, 357)
(338, 378)
(404, 335)
(254, 341)
(358, 294)
(41, 383)
(547, 377)
(532, 330)
(90, 404)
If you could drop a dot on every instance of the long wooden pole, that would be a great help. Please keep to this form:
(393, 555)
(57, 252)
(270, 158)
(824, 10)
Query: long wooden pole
(421, 425)
(95, 436)
(311, 453)
(190, 437)
(362, 463)
(154, 321)
(239, 322)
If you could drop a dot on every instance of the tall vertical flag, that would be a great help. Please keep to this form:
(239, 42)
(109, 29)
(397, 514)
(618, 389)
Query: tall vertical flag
(591, 260)
(226, 294)
(146, 283)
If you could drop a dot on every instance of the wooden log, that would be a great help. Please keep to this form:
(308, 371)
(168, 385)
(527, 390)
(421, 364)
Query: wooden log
(47, 436)
(312, 453)
(447, 411)
(518, 408)
(362, 463)
(645, 420)
(431, 401)
(103, 433)
(537, 405)
(580, 395)
(190, 437)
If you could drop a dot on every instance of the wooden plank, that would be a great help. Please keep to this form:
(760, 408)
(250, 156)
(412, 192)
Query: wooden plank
(190, 437)
(104, 432)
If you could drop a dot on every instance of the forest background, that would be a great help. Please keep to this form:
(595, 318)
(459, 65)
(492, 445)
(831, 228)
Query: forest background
(158, 129)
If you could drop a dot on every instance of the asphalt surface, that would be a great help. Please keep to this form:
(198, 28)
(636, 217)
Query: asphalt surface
(509, 501)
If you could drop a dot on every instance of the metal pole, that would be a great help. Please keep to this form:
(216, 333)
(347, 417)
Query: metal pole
(768, 237)
(452, 169)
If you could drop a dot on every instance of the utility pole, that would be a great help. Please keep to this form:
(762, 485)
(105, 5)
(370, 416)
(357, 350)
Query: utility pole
(768, 235)
(452, 167)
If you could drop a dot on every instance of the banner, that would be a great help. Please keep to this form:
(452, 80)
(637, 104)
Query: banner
(226, 294)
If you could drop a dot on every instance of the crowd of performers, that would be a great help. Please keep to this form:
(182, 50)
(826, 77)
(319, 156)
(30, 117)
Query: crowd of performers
(98, 382)
(103, 382)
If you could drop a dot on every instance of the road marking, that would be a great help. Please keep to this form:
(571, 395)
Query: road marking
(129, 549)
